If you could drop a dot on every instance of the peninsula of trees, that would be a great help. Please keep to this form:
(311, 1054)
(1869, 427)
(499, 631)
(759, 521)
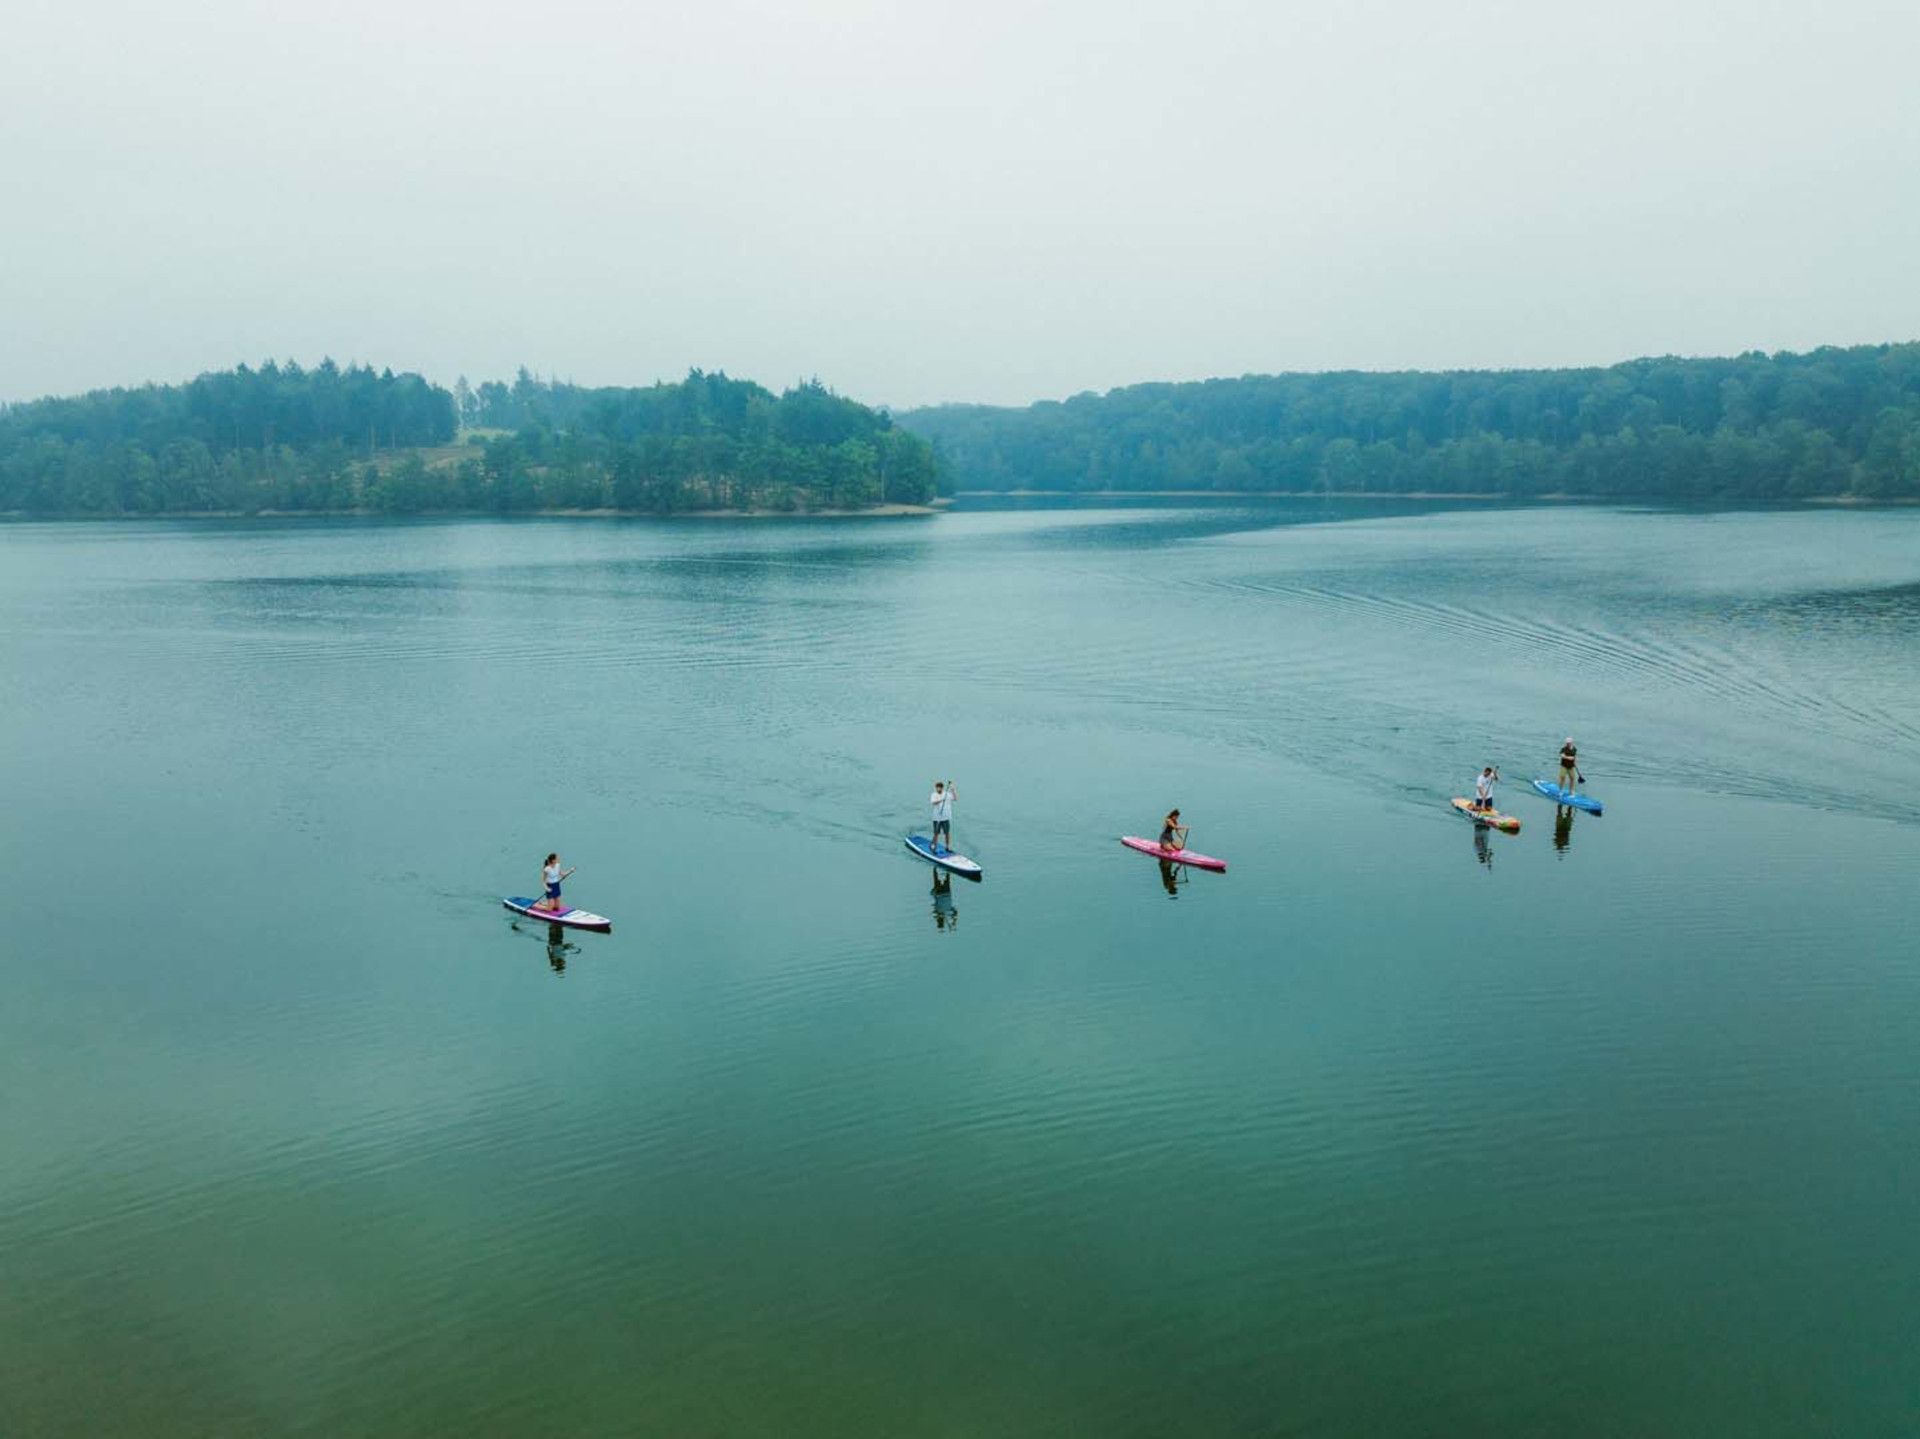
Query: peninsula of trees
(1835, 423)
(706, 443)
(329, 440)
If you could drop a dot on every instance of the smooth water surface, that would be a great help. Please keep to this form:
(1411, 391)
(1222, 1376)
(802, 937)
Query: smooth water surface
(1397, 1128)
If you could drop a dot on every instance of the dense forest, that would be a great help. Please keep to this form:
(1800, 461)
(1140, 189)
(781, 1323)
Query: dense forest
(708, 442)
(283, 438)
(1833, 423)
(1836, 422)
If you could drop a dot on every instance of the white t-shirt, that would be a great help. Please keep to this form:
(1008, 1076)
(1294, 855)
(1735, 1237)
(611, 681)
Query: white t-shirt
(1483, 786)
(942, 802)
(551, 874)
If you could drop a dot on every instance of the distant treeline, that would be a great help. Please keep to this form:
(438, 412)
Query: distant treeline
(329, 439)
(1836, 422)
(708, 442)
(276, 437)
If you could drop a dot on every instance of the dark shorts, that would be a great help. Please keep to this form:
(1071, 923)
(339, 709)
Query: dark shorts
(942, 826)
(553, 891)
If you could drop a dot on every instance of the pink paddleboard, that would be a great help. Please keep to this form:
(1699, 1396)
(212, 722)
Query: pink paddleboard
(1173, 856)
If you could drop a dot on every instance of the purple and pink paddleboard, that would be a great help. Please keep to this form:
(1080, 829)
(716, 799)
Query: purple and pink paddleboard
(571, 918)
(1173, 856)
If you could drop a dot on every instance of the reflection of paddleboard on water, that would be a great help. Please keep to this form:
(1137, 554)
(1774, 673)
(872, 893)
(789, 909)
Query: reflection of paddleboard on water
(1486, 816)
(955, 863)
(571, 918)
(1174, 856)
(1562, 796)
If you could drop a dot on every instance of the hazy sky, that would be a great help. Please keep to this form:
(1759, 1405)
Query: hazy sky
(981, 201)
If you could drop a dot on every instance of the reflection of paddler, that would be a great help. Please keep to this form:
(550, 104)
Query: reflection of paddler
(1562, 827)
(1170, 877)
(1482, 850)
(945, 916)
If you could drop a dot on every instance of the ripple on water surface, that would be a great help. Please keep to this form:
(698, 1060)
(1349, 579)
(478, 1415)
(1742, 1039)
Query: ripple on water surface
(1601, 1128)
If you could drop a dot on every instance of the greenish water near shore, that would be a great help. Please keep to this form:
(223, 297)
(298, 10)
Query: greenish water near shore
(1397, 1128)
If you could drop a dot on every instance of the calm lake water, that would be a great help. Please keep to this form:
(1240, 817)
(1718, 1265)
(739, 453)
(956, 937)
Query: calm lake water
(1607, 1128)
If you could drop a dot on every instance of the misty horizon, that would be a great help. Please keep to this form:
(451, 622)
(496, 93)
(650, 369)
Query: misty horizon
(925, 207)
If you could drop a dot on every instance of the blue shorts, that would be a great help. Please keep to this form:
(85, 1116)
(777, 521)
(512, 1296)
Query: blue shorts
(553, 891)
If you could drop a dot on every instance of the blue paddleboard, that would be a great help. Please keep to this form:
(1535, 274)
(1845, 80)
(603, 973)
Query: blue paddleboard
(1561, 796)
(943, 857)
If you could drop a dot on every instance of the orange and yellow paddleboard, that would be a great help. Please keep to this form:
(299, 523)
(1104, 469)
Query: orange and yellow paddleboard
(1487, 816)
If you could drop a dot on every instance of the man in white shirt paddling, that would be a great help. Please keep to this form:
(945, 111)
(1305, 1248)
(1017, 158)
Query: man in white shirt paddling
(1483, 789)
(941, 803)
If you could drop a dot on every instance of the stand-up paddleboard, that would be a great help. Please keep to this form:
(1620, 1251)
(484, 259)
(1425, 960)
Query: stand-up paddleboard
(1486, 816)
(1561, 796)
(944, 858)
(1174, 856)
(571, 918)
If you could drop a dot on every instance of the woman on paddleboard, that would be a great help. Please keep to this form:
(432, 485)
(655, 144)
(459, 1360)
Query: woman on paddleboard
(1569, 766)
(551, 875)
(1173, 834)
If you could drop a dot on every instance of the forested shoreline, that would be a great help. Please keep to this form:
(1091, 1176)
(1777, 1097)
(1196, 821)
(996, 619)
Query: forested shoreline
(1830, 424)
(1833, 424)
(288, 440)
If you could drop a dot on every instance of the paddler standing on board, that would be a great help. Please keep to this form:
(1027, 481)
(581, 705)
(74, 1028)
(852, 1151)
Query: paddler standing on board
(1569, 766)
(1483, 789)
(941, 803)
(552, 876)
(1173, 834)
